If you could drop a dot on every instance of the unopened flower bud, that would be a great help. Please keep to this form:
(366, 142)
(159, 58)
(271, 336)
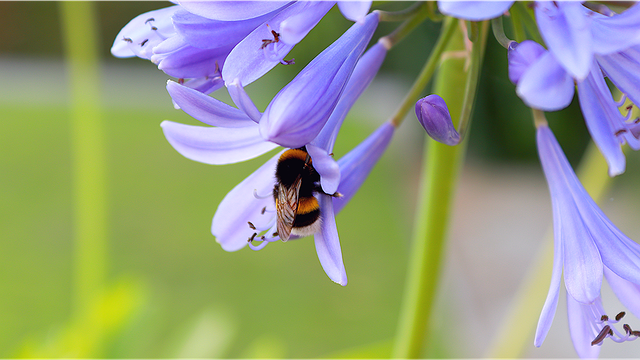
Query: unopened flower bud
(433, 114)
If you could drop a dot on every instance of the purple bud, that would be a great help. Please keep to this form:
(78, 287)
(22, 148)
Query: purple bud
(521, 57)
(433, 114)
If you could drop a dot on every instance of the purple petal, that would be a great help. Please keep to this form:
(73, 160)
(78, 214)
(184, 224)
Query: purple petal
(327, 168)
(243, 101)
(240, 206)
(300, 110)
(627, 292)
(582, 326)
(189, 62)
(521, 57)
(545, 85)
(232, 10)
(207, 109)
(216, 145)
(250, 59)
(581, 259)
(551, 303)
(600, 112)
(205, 85)
(296, 27)
(356, 165)
(474, 10)
(364, 72)
(354, 10)
(567, 32)
(616, 33)
(138, 38)
(623, 69)
(205, 33)
(328, 243)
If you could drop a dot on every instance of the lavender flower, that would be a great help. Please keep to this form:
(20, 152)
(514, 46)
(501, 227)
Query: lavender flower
(235, 137)
(544, 84)
(587, 245)
(433, 114)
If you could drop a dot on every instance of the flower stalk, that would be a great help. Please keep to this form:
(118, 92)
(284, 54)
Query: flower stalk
(441, 169)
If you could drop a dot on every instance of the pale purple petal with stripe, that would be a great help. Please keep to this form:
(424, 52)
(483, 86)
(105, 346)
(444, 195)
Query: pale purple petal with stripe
(354, 10)
(232, 10)
(143, 33)
(295, 28)
(328, 243)
(206, 108)
(615, 33)
(566, 30)
(521, 57)
(216, 145)
(623, 69)
(241, 205)
(474, 10)
(626, 291)
(546, 85)
(582, 319)
(327, 168)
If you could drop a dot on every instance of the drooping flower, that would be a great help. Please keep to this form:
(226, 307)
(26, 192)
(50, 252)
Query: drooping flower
(235, 136)
(433, 114)
(543, 83)
(586, 246)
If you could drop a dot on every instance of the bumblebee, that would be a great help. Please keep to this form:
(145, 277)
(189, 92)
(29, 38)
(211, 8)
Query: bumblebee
(298, 211)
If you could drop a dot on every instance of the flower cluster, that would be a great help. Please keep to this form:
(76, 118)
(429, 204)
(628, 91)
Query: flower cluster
(208, 46)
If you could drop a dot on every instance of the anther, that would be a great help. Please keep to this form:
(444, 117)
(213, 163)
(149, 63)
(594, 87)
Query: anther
(253, 227)
(620, 315)
(252, 237)
(149, 20)
(276, 38)
(635, 333)
(628, 108)
(144, 42)
(288, 62)
(602, 335)
(181, 81)
(126, 39)
(264, 209)
(604, 318)
(274, 234)
(627, 328)
(620, 132)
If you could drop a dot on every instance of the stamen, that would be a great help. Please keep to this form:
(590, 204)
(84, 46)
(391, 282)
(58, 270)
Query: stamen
(620, 315)
(288, 62)
(253, 227)
(276, 38)
(627, 328)
(620, 102)
(252, 237)
(255, 194)
(263, 210)
(620, 132)
(144, 42)
(150, 20)
(602, 335)
(604, 318)
(126, 39)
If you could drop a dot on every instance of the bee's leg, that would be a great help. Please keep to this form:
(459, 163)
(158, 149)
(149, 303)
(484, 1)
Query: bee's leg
(318, 188)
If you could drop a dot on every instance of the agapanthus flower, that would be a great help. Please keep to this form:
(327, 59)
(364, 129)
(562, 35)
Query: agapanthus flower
(543, 83)
(474, 10)
(235, 137)
(587, 245)
(433, 114)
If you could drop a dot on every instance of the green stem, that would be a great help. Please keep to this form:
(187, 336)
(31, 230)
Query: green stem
(473, 77)
(400, 15)
(498, 32)
(418, 16)
(440, 172)
(525, 18)
(448, 29)
(89, 165)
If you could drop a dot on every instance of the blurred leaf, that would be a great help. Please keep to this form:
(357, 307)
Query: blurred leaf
(208, 335)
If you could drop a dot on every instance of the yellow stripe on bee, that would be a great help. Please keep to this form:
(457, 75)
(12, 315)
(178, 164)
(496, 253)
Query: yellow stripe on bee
(294, 154)
(307, 205)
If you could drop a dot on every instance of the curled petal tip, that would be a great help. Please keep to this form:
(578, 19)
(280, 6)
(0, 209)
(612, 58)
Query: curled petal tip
(433, 114)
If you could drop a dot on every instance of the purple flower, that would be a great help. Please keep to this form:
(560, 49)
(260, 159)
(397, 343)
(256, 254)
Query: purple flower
(300, 110)
(574, 34)
(235, 137)
(474, 10)
(587, 245)
(543, 83)
(433, 114)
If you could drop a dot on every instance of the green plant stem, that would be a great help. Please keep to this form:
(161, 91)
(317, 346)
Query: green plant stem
(439, 176)
(89, 167)
(525, 19)
(448, 29)
(401, 15)
(417, 17)
(473, 77)
(498, 32)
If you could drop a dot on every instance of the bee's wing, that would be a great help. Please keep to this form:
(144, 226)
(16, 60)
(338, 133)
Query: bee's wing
(286, 206)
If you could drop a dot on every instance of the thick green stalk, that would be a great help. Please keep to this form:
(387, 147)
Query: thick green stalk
(87, 146)
(442, 164)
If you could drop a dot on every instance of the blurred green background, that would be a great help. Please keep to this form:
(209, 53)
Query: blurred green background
(169, 290)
